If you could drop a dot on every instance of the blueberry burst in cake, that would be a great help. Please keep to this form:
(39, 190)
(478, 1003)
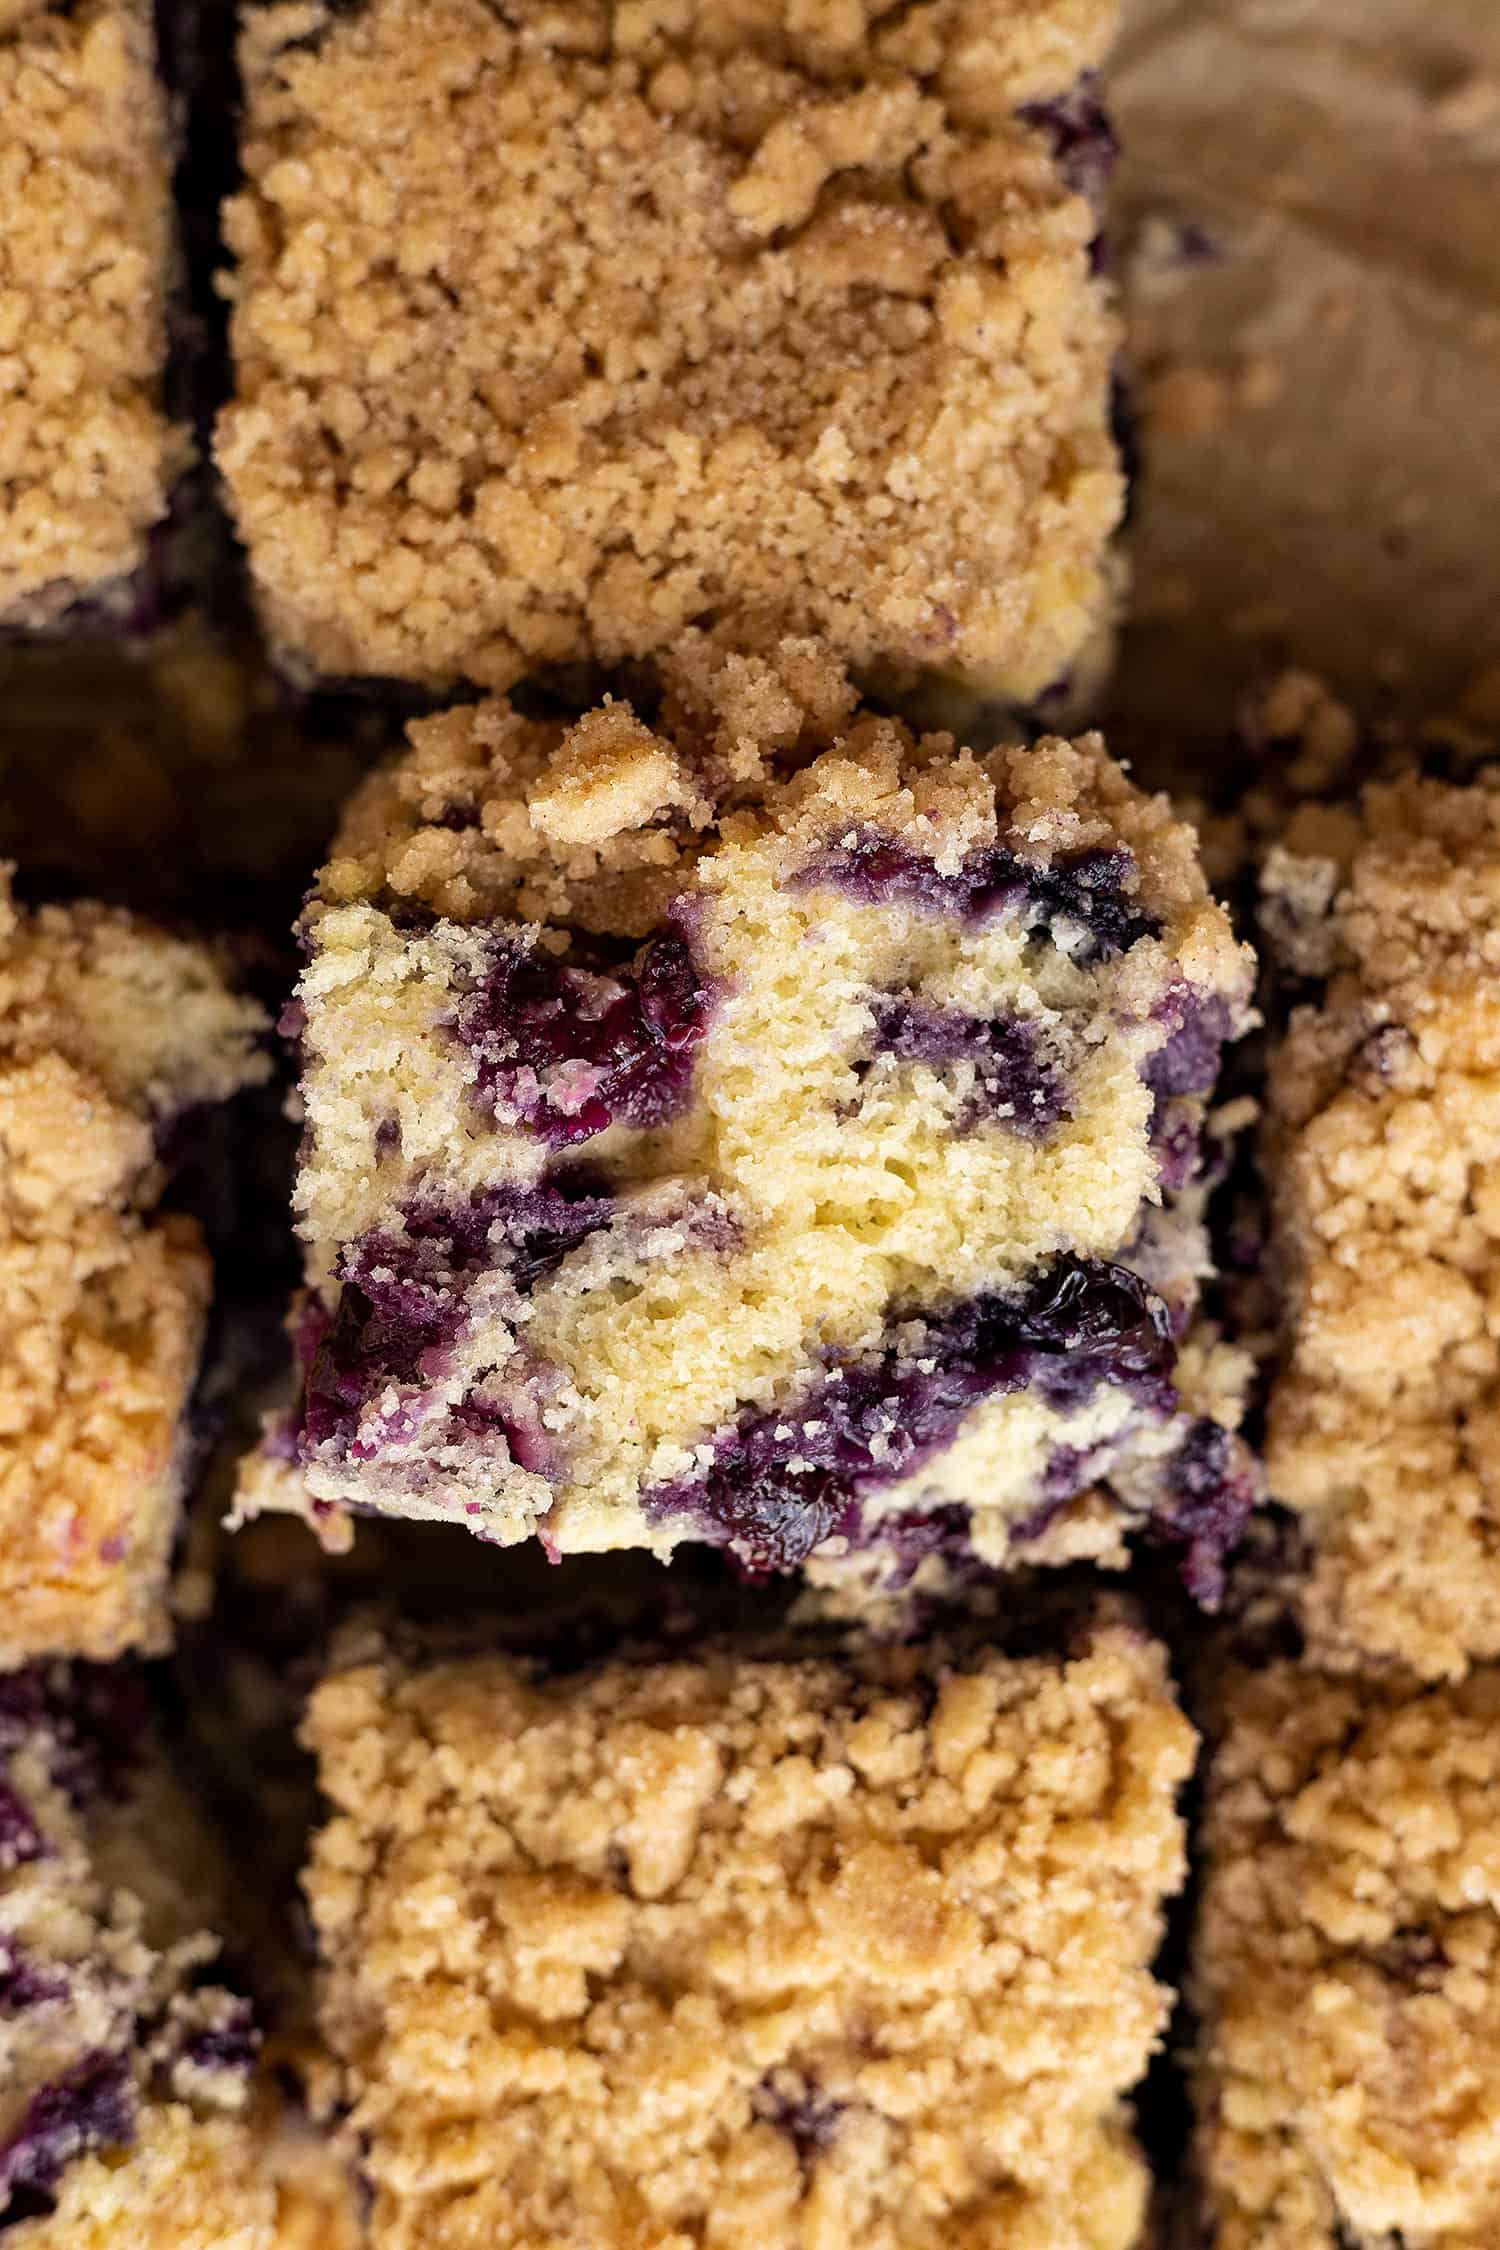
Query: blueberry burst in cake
(759, 1125)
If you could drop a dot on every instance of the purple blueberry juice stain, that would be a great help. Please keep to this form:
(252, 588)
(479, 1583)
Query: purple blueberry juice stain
(1210, 1491)
(24, 1982)
(1084, 144)
(1177, 1144)
(21, 1840)
(1014, 1079)
(1092, 892)
(402, 1301)
(1198, 1028)
(1070, 1470)
(797, 2107)
(1182, 1070)
(907, 1540)
(92, 2106)
(567, 1052)
(780, 1481)
(229, 2045)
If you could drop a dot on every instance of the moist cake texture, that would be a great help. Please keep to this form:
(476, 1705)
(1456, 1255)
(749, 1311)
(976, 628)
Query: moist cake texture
(1346, 1965)
(86, 453)
(749, 1952)
(110, 1032)
(765, 1127)
(561, 327)
(1384, 1131)
(126, 2070)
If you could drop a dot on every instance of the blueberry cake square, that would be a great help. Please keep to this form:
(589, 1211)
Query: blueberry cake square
(1383, 916)
(562, 327)
(752, 1950)
(763, 1126)
(134, 2107)
(111, 1034)
(87, 454)
(1347, 1966)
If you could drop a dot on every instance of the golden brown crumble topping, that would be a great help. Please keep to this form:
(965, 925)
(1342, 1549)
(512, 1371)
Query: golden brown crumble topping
(86, 456)
(599, 824)
(563, 326)
(107, 1031)
(1348, 1966)
(742, 1951)
(1384, 1135)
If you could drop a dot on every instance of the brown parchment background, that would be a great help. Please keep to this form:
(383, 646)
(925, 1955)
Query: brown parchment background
(1308, 225)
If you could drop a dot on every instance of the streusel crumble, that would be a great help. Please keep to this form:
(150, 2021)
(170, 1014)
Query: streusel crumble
(1382, 1151)
(87, 455)
(1347, 1972)
(768, 1953)
(563, 326)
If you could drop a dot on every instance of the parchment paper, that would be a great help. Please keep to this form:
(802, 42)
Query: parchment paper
(1309, 231)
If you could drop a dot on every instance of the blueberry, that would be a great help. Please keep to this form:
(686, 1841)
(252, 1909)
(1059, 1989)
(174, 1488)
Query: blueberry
(779, 1481)
(403, 1295)
(795, 2106)
(567, 1052)
(229, 2045)
(1210, 1491)
(1091, 891)
(1013, 1077)
(92, 2106)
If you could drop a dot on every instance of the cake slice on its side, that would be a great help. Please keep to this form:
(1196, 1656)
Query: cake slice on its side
(133, 2103)
(763, 1127)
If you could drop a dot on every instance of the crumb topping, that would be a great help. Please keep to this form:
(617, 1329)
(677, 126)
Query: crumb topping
(108, 1030)
(743, 1951)
(1348, 1965)
(562, 327)
(1383, 1141)
(86, 456)
(600, 824)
